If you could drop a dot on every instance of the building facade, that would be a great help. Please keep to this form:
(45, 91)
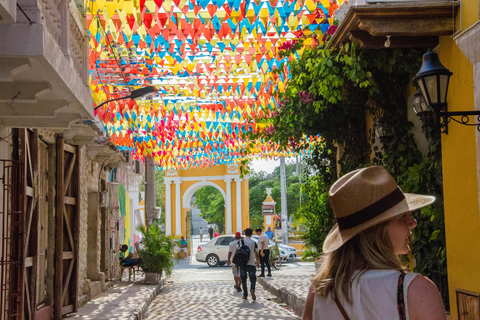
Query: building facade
(451, 29)
(61, 176)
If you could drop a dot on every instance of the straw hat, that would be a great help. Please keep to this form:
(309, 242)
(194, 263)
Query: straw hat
(364, 198)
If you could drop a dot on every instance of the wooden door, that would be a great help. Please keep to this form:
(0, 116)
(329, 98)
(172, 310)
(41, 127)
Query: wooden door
(42, 226)
(29, 152)
(34, 154)
(66, 229)
(468, 305)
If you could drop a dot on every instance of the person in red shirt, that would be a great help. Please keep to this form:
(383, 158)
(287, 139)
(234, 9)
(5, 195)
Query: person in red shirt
(217, 233)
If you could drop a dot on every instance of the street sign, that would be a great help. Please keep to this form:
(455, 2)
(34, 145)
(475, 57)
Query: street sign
(268, 209)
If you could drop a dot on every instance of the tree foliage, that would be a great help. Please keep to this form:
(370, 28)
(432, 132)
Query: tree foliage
(212, 206)
(258, 183)
(331, 93)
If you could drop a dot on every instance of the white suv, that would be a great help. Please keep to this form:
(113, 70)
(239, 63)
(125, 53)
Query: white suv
(215, 252)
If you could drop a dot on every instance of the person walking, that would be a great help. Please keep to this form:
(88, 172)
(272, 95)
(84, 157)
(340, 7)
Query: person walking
(250, 267)
(210, 232)
(361, 275)
(200, 233)
(264, 252)
(231, 254)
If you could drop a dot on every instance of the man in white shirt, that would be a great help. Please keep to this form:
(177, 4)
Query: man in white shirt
(200, 233)
(250, 268)
(235, 269)
(264, 252)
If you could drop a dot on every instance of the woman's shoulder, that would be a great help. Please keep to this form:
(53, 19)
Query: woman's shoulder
(424, 301)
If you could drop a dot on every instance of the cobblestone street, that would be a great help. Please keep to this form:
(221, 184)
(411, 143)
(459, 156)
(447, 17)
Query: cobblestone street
(214, 300)
(197, 291)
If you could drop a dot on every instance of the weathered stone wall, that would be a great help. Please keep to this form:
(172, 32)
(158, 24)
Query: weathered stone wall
(89, 182)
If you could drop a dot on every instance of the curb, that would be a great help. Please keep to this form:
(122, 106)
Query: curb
(140, 312)
(294, 302)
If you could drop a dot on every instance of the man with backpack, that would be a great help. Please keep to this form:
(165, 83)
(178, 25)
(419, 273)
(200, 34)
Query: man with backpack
(235, 269)
(246, 257)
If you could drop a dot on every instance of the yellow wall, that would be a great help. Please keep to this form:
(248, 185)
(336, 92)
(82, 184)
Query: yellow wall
(462, 220)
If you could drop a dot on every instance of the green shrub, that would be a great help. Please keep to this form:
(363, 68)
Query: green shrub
(155, 250)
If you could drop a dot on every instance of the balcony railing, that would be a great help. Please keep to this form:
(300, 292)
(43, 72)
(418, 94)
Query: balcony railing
(67, 27)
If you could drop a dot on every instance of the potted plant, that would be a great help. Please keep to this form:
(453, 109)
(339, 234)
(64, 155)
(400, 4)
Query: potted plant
(156, 254)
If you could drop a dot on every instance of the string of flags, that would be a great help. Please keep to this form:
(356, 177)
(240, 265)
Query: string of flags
(212, 63)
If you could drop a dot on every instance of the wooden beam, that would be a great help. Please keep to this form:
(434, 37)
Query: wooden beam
(58, 302)
(68, 255)
(28, 262)
(76, 219)
(70, 201)
(67, 309)
(52, 172)
(69, 148)
(71, 165)
(29, 191)
(408, 27)
(69, 231)
(409, 20)
(367, 41)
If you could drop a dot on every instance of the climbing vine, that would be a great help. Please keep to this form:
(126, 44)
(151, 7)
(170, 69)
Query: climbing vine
(330, 93)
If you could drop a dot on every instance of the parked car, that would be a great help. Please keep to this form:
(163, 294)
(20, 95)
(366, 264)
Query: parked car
(215, 252)
(289, 251)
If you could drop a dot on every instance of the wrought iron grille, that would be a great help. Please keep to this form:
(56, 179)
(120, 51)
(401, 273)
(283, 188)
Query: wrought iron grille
(12, 200)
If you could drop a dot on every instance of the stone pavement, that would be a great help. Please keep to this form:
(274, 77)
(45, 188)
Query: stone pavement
(197, 291)
(194, 291)
(214, 300)
(290, 284)
(125, 300)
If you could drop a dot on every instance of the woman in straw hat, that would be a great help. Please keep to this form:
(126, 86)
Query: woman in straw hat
(361, 275)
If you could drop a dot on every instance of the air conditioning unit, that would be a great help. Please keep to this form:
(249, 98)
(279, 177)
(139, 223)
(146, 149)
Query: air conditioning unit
(138, 166)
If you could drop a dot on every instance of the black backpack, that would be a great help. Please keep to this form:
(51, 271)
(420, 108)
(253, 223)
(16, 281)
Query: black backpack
(242, 255)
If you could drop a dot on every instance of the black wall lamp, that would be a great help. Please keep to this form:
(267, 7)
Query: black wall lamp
(383, 131)
(135, 94)
(430, 103)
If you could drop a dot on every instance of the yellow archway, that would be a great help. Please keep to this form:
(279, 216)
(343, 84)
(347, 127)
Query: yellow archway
(181, 185)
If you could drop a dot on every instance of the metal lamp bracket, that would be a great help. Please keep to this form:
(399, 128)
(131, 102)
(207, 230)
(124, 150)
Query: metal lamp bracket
(447, 116)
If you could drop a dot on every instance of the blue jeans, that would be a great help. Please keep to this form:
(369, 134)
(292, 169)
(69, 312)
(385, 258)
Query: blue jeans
(251, 274)
(130, 263)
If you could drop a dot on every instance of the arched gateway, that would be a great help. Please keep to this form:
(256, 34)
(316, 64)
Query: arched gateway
(181, 185)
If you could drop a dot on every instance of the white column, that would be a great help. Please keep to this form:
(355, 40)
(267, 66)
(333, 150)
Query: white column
(228, 203)
(168, 208)
(178, 209)
(239, 204)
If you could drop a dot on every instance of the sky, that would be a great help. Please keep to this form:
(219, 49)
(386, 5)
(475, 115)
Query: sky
(264, 165)
(268, 165)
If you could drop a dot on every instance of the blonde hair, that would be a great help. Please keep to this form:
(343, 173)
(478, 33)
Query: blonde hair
(370, 249)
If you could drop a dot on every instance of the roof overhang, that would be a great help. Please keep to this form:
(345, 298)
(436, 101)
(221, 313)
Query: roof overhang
(409, 24)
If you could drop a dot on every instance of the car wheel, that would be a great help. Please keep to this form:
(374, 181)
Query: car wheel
(212, 260)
